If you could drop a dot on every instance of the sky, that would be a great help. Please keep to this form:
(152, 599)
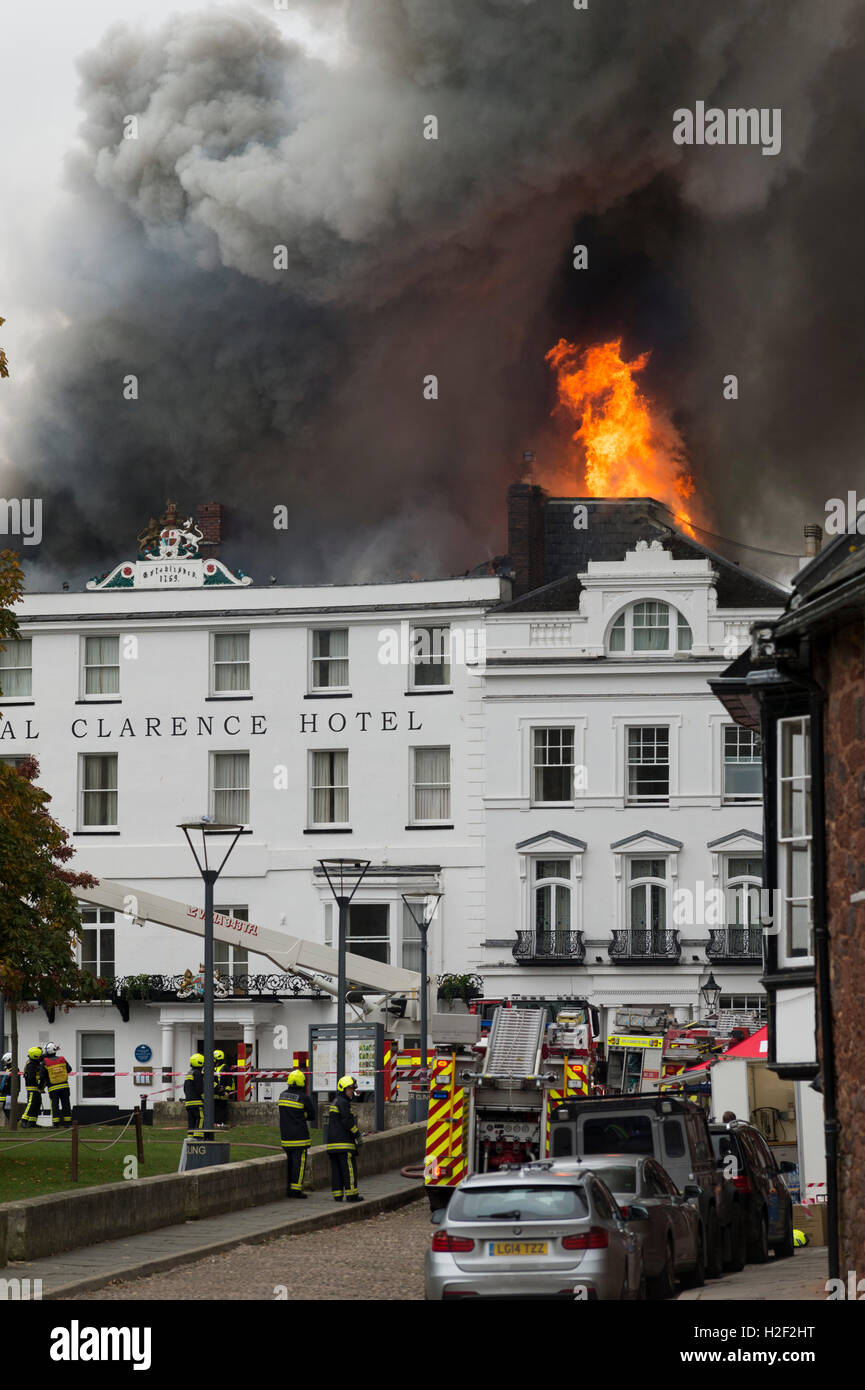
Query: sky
(302, 385)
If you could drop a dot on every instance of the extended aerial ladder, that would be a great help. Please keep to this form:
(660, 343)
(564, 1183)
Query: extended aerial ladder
(292, 954)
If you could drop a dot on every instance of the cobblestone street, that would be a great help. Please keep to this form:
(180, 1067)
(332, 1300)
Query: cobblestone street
(371, 1260)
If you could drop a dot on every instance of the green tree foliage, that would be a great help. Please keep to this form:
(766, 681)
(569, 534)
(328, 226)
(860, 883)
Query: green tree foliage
(39, 921)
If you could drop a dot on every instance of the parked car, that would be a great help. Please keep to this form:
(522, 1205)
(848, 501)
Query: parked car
(530, 1233)
(676, 1134)
(654, 1208)
(765, 1198)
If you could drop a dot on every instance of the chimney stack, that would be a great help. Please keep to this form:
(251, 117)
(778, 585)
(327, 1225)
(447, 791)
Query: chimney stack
(526, 535)
(209, 519)
(813, 539)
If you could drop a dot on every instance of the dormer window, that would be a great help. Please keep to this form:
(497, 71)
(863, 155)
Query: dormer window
(650, 626)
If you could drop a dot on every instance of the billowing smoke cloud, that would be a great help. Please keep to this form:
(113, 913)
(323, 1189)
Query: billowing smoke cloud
(296, 377)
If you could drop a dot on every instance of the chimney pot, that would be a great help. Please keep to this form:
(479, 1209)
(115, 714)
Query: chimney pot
(813, 539)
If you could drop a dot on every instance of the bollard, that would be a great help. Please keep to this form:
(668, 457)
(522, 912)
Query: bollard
(139, 1137)
(74, 1156)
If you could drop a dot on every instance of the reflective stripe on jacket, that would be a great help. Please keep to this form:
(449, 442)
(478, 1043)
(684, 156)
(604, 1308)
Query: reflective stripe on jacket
(295, 1109)
(342, 1130)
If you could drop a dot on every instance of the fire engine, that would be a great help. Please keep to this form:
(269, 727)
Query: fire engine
(491, 1098)
(649, 1046)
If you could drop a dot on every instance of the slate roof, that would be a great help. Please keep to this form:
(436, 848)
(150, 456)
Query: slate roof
(614, 527)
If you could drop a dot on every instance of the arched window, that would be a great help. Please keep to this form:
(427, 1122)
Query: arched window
(552, 894)
(647, 906)
(650, 626)
(744, 880)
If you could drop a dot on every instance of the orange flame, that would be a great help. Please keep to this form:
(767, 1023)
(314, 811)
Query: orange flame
(629, 448)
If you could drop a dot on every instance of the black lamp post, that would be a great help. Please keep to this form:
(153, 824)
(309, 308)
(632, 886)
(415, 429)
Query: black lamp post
(206, 829)
(342, 875)
(427, 906)
(711, 993)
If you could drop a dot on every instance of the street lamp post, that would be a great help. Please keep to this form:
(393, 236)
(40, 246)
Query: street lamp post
(711, 993)
(342, 875)
(206, 829)
(428, 904)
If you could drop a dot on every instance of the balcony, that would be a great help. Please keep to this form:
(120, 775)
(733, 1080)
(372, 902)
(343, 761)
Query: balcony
(735, 945)
(549, 948)
(644, 946)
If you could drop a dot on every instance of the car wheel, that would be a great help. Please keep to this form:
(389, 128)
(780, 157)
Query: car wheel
(714, 1256)
(664, 1284)
(758, 1251)
(738, 1243)
(695, 1277)
(784, 1248)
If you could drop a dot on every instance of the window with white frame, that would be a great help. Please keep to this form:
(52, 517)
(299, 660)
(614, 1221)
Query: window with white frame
(794, 838)
(552, 766)
(329, 659)
(431, 784)
(650, 626)
(97, 1056)
(229, 959)
(647, 904)
(16, 669)
(430, 655)
(229, 788)
(230, 663)
(328, 787)
(97, 941)
(743, 875)
(648, 753)
(101, 666)
(411, 941)
(98, 790)
(743, 764)
(552, 904)
(744, 1003)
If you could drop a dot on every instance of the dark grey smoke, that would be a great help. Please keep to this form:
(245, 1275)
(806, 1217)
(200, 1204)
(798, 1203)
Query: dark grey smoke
(407, 257)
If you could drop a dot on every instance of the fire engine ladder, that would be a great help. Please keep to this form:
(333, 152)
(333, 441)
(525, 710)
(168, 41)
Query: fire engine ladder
(514, 1048)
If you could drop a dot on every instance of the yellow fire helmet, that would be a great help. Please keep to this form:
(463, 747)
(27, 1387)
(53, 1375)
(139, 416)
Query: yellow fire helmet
(196, 1060)
(34, 1052)
(800, 1238)
(219, 1055)
(296, 1078)
(344, 1082)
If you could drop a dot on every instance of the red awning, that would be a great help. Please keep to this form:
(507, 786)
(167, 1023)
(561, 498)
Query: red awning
(755, 1046)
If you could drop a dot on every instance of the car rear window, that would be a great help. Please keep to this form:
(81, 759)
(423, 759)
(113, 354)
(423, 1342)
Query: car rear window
(622, 1178)
(513, 1203)
(617, 1134)
(674, 1139)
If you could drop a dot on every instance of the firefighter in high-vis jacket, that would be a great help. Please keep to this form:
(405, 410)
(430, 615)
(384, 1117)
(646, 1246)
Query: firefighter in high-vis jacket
(33, 1083)
(295, 1111)
(343, 1142)
(55, 1075)
(193, 1094)
(223, 1089)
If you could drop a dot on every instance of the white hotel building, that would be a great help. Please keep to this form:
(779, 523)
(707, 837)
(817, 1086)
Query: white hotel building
(557, 793)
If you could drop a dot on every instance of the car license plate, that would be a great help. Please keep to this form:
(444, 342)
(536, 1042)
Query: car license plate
(518, 1247)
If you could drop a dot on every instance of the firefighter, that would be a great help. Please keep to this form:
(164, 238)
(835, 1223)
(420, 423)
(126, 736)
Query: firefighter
(55, 1075)
(33, 1084)
(223, 1090)
(8, 1087)
(193, 1093)
(295, 1109)
(343, 1142)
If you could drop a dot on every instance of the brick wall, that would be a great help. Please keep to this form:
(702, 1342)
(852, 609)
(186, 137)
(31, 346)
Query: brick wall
(209, 519)
(839, 666)
(526, 536)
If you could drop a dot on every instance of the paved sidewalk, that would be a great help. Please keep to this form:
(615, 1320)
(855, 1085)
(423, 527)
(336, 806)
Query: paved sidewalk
(64, 1276)
(803, 1277)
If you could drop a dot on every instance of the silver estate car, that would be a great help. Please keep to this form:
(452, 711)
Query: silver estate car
(666, 1219)
(533, 1233)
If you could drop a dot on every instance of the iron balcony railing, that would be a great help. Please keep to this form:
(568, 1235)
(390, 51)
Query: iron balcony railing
(549, 948)
(735, 944)
(645, 945)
